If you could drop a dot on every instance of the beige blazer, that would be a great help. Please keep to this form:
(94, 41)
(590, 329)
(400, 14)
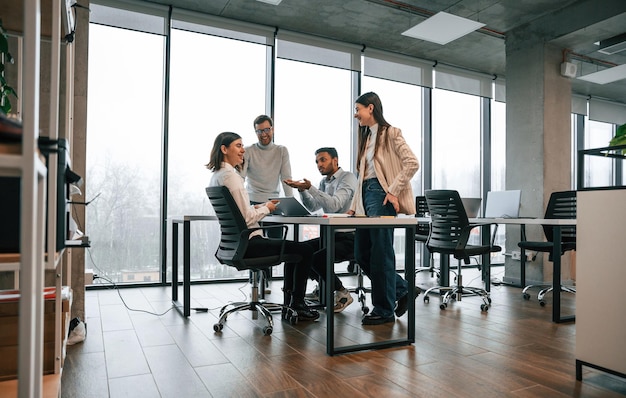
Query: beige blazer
(395, 164)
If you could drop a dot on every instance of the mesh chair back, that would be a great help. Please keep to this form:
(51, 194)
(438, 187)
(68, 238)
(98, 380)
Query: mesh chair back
(448, 218)
(562, 205)
(232, 247)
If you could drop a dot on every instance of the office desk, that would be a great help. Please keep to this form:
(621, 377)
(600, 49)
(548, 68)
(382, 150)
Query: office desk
(328, 227)
(556, 255)
(186, 221)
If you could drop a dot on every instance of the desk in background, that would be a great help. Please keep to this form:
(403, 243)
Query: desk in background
(186, 221)
(328, 227)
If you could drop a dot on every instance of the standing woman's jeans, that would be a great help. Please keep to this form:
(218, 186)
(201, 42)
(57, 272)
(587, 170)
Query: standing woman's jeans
(373, 249)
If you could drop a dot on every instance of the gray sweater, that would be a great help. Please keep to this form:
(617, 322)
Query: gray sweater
(264, 168)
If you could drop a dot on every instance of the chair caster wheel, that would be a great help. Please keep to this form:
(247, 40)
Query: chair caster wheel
(489, 300)
(293, 320)
(218, 327)
(426, 299)
(542, 303)
(267, 330)
(443, 306)
(366, 310)
(526, 296)
(484, 307)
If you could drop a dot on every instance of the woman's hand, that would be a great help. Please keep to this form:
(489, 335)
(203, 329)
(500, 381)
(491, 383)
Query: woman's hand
(389, 198)
(271, 205)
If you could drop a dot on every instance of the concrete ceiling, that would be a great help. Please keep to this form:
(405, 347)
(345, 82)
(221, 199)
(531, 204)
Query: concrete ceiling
(569, 24)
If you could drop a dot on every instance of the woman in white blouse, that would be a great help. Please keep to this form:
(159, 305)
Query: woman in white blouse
(226, 160)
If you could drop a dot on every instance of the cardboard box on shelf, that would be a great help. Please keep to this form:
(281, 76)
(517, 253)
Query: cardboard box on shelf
(9, 329)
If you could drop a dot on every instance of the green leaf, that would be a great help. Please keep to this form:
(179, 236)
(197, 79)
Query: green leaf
(6, 107)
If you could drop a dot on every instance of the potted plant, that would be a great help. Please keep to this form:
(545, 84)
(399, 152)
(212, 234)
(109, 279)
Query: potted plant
(620, 137)
(5, 57)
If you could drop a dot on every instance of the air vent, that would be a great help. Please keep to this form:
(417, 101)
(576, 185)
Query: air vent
(613, 45)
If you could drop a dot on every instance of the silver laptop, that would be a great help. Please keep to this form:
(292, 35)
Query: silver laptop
(472, 206)
(290, 207)
(503, 204)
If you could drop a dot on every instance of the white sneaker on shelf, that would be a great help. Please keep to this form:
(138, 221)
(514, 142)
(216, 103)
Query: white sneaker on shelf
(343, 298)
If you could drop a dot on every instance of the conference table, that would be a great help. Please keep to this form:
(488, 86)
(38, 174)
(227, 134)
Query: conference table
(328, 226)
(557, 224)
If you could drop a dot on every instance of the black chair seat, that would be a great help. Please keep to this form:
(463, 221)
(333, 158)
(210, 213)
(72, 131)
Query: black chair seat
(472, 250)
(262, 263)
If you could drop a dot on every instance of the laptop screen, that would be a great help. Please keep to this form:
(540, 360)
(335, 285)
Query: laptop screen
(290, 207)
(503, 204)
(472, 206)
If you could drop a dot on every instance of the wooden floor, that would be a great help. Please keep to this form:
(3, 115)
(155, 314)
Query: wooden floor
(512, 350)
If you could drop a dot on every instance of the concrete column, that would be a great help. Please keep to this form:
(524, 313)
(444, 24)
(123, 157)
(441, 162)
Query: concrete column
(539, 144)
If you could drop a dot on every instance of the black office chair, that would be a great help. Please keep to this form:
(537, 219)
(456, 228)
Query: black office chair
(561, 205)
(449, 235)
(231, 251)
(421, 236)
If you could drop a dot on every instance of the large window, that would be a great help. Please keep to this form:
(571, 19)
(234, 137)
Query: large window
(124, 130)
(220, 88)
(312, 110)
(403, 109)
(456, 143)
(598, 170)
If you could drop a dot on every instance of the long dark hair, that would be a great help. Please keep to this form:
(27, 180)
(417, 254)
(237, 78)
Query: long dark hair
(217, 157)
(365, 100)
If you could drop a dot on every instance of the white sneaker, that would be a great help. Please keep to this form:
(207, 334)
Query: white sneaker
(343, 298)
(314, 295)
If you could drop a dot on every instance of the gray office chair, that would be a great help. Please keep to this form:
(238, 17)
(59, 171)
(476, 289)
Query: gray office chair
(561, 205)
(449, 235)
(231, 251)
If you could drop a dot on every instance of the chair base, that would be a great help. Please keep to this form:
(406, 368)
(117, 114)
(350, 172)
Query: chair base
(457, 292)
(545, 289)
(360, 290)
(257, 307)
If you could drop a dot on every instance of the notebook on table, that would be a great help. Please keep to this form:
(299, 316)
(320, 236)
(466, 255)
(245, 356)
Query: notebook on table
(503, 204)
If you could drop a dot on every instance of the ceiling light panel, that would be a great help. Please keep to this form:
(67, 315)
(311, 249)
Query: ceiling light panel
(442, 28)
(605, 76)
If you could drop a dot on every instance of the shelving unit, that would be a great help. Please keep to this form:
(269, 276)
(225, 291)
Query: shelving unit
(610, 152)
(30, 264)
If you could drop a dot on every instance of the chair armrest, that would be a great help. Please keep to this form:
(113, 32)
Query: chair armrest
(465, 234)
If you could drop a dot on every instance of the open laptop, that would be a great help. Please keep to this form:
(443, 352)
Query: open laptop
(503, 204)
(290, 207)
(472, 206)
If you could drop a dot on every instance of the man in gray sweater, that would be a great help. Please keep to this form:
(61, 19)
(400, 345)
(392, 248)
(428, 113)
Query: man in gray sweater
(266, 164)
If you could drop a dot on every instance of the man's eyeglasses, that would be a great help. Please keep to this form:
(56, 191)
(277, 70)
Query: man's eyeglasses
(263, 131)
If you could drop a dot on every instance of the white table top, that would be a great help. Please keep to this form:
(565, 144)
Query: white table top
(525, 221)
(345, 221)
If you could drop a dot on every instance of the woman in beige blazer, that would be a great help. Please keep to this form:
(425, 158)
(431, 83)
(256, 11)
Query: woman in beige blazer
(385, 166)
